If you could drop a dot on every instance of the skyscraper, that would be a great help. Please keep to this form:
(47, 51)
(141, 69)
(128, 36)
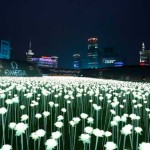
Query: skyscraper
(29, 54)
(76, 61)
(5, 49)
(144, 56)
(93, 53)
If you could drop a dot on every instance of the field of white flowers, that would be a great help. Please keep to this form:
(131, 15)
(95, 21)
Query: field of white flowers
(68, 113)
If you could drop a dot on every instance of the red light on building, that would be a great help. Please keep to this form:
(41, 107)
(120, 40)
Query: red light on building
(142, 64)
(92, 40)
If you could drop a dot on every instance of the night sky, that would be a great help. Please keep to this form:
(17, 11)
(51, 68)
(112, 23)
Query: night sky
(62, 27)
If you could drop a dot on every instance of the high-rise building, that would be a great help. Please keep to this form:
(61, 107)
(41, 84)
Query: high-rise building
(76, 61)
(29, 54)
(5, 49)
(144, 56)
(93, 53)
(46, 62)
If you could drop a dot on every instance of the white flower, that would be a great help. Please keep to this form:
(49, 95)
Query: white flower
(90, 120)
(46, 114)
(63, 110)
(51, 144)
(88, 130)
(138, 117)
(123, 119)
(12, 125)
(112, 111)
(76, 120)
(83, 115)
(72, 123)
(3, 110)
(97, 132)
(24, 117)
(8, 101)
(96, 107)
(56, 105)
(22, 107)
(121, 106)
(6, 147)
(85, 138)
(107, 133)
(144, 146)
(59, 124)
(126, 130)
(51, 104)
(15, 100)
(34, 136)
(60, 117)
(133, 116)
(40, 133)
(20, 128)
(56, 135)
(38, 116)
(113, 123)
(110, 146)
(138, 130)
(116, 118)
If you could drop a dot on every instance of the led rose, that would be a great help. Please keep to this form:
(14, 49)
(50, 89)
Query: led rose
(107, 133)
(90, 120)
(34, 136)
(40, 133)
(144, 146)
(12, 125)
(24, 117)
(110, 146)
(63, 110)
(3, 110)
(38, 116)
(83, 115)
(138, 130)
(76, 120)
(22, 107)
(85, 138)
(46, 114)
(51, 104)
(60, 117)
(51, 144)
(9, 101)
(113, 123)
(56, 135)
(6, 147)
(98, 133)
(88, 130)
(59, 124)
(116, 118)
(126, 130)
(112, 112)
(20, 128)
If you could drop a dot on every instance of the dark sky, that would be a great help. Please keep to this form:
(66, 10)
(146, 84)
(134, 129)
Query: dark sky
(62, 27)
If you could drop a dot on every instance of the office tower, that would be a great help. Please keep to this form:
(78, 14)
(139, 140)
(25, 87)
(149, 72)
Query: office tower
(29, 54)
(46, 62)
(5, 49)
(144, 56)
(93, 53)
(76, 61)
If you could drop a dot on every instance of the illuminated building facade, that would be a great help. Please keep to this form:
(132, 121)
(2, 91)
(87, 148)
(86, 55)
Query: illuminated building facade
(144, 56)
(77, 61)
(29, 54)
(5, 49)
(46, 62)
(110, 59)
(93, 53)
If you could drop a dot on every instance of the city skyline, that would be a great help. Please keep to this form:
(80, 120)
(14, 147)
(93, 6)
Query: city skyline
(62, 28)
